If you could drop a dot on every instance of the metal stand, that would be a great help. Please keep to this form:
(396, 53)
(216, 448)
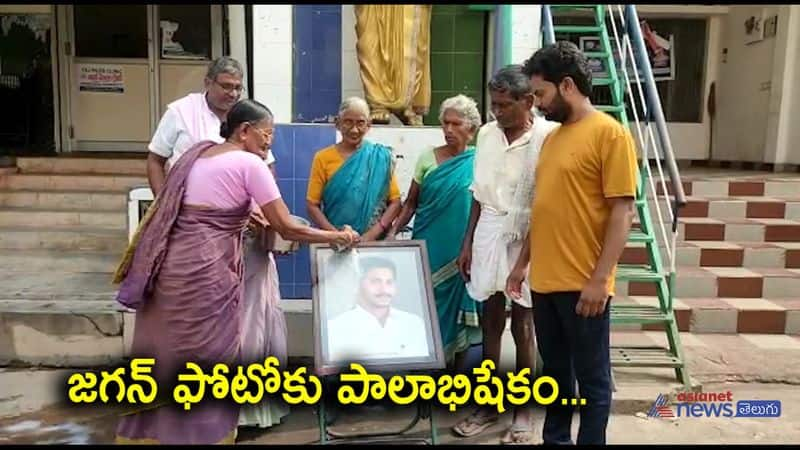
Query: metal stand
(329, 437)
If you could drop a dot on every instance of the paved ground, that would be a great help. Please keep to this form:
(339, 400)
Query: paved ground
(763, 367)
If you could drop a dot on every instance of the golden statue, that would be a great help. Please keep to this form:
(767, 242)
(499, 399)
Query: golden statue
(393, 49)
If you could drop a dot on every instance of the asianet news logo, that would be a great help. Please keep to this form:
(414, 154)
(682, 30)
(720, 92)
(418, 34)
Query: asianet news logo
(712, 404)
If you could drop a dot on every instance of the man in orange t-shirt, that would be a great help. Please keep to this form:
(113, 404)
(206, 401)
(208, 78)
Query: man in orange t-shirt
(582, 211)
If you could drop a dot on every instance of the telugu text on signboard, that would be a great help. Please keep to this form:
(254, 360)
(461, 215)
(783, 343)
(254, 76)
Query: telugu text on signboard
(100, 78)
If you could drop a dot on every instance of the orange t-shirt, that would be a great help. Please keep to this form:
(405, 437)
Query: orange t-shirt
(326, 162)
(580, 166)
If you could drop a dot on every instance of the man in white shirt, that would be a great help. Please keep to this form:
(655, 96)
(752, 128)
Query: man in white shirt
(194, 118)
(373, 329)
(506, 154)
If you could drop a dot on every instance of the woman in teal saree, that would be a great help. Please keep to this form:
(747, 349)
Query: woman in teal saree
(352, 181)
(441, 199)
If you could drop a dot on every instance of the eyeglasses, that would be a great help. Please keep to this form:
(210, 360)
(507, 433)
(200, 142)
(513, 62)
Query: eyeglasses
(348, 124)
(228, 88)
(266, 133)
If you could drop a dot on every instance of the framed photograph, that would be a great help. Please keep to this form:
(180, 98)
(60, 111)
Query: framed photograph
(663, 61)
(593, 44)
(622, 60)
(660, 52)
(374, 305)
(754, 28)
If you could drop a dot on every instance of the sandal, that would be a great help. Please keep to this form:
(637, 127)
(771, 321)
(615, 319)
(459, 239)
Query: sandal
(474, 424)
(518, 435)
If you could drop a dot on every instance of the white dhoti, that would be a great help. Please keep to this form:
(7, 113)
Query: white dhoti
(493, 259)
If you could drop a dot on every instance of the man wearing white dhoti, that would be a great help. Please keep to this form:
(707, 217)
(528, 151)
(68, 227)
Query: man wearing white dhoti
(503, 187)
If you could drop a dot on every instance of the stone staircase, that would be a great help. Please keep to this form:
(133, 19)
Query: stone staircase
(63, 227)
(738, 255)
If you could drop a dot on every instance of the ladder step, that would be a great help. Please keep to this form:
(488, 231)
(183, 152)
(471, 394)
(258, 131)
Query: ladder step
(639, 236)
(482, 7)
(610, 108)
(641, 314)
(644, 357)
(577, 29)
(560, 6)
(602, 81)
(637, 272)
(598, 55)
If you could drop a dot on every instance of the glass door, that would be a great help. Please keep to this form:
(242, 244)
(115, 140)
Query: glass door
(111, 84)
(190, 36)
(125, 63)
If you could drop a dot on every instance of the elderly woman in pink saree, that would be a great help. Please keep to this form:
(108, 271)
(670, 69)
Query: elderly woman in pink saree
(184, 273)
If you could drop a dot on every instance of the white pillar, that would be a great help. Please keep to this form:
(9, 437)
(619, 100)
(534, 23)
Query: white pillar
(351, 72)
(238, 37)
(272, 59)
(525, 31)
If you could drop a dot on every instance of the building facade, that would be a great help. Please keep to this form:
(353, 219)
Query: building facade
(90, 78)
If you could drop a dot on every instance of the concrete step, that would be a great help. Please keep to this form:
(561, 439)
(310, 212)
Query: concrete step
(723, 254)
(744, 207)
(60, 319)
(64, 239)
(724, 282)
(35, 285)
(43, 199)
(35, 218)
(58, 261)
(735, 230)
(769, 185)
(77, 165)
(72, 182)
(724, 315)
(74, 332)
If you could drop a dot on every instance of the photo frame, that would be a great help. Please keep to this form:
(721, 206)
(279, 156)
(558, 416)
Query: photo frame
(351, 294)
(754, 28)
(660, 52)
(593, 44)
(663, 68)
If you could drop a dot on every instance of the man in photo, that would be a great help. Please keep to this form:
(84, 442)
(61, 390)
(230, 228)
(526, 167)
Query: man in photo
(373, 328)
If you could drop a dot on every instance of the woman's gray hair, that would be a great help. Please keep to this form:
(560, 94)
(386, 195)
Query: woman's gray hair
(356, 103)
(465, 107)
(224, 64)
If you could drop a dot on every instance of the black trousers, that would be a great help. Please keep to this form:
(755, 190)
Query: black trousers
(574, 347)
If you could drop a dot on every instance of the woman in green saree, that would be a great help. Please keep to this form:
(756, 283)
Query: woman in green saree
(441, 199)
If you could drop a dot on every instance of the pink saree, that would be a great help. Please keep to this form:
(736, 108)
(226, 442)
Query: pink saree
(186, 283)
